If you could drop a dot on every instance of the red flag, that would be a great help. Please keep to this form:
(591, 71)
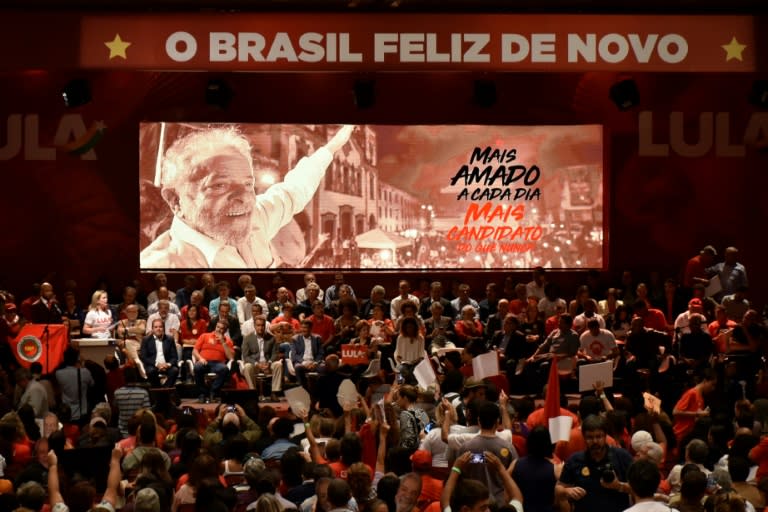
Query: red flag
(36, 345)
(559, 424)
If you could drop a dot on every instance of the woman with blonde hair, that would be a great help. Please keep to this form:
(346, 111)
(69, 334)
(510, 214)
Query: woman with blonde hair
(98, 321)
(268, 503)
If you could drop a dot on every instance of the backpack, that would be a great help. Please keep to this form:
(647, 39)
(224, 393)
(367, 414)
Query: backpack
(410, 440)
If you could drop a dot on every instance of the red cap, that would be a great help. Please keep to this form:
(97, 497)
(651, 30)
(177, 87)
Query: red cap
(694, 302)
(421, 459)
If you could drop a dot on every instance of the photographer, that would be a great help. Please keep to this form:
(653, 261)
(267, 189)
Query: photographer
(230, 421)
(595, 479)
(462, 494)
(487, 441)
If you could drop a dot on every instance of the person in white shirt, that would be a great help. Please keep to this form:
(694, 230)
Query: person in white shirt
(463, 300)
(163, 294)
(405, 295)
(536, 287)
(683, 320)
(208, 180)
(301, 293)
(643, 477)
(590, 313)
(171, 321)
(98, 321)
(597, 344)
(245, 303)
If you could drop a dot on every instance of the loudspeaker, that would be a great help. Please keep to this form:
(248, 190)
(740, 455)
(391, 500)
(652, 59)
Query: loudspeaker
(76, 93)
(365, 93)
(759, 94)
(625, 94)
(485, 93)
(218, 93)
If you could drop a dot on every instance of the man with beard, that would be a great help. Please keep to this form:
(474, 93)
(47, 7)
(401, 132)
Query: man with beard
(595, 479)
(207, 179)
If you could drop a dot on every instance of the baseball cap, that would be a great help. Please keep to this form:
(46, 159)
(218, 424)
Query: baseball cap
(694, 302)
(472, 382)
(147, 500)
(421, 459)
(710, 249)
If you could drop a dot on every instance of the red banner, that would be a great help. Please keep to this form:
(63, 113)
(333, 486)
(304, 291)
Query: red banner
(415, 42)
(354, 354)
(38, 343)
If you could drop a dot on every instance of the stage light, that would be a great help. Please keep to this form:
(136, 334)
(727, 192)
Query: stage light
(485, 93)
(759, 94)
(76, 93)
(625, 94)
(365, 93)
(218, 93)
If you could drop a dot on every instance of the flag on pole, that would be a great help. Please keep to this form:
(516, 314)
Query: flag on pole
(559, 424)
(41, 343)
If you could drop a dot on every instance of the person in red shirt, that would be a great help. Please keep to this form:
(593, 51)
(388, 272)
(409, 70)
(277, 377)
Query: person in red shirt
(696, 267)
(691, 405)
(652, 317)
(720, 328)
(212, 352)
(322, 324)
(431, 487)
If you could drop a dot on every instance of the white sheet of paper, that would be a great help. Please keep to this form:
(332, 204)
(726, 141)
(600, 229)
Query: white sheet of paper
(652, 402)
(298, 400)
(591, 373)
(445, 350)
(486, 365)
(347, 393)
(714, 286)
(298, 429)
(560, 428)
(424, 374)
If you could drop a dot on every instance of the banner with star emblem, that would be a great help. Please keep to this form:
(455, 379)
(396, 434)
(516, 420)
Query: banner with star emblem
(414, 42)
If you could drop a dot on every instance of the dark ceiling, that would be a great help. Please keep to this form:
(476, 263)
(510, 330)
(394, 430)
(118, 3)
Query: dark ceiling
(575, 6)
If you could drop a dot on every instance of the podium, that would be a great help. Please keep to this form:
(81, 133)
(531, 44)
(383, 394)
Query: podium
(95, 349)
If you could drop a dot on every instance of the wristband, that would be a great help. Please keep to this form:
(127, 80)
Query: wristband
(306, 424)
(602, 396)
(456, 470)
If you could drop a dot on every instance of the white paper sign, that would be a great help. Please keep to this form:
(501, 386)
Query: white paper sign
(591, 373)
(560, 428)
(424, 374)
(714, 287)
(298, 400)
(347, 393)
(652, 403)
(485, 365)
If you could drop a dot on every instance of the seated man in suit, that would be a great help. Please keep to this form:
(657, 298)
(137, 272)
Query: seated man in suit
(212, 352)
(306, 352)
(159, 355)
(260, 355)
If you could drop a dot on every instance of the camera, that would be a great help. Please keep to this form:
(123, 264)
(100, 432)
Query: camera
(429, 426)
(231, 408)
(606, 472)
(477, 458)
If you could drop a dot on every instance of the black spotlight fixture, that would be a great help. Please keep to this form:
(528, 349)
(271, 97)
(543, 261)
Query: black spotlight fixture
(759, 95)
(365, 93)
(625, 94)
(76, 93)
(218, 93)
(484, 93)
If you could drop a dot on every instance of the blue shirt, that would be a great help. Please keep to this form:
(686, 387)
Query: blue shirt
(581, 471)
(277, 449)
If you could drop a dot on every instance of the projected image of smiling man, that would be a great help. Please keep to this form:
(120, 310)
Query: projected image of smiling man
(218, 219)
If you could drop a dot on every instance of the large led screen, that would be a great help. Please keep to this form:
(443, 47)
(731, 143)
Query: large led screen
(259, 196)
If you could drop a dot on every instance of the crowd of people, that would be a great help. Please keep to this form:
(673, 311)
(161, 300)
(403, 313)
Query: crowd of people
(683, 427)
